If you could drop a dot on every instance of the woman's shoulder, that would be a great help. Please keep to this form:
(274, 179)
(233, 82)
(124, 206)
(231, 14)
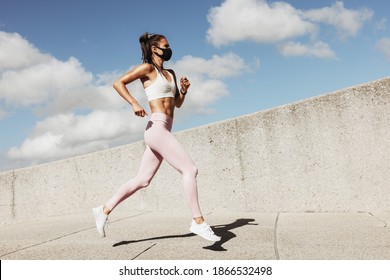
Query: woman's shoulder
(144, 70)
(146, 67)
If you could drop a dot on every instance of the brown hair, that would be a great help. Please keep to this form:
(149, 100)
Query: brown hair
(148, 40)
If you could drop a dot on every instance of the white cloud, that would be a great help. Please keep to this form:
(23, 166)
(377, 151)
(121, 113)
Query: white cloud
(383, 45)
(66, 135)
(16, 52)
(41, 82)
(59, 90)
(280, 22)
(206, 77)
(217, 67)
(348, 22)
(255, 20)
(30, 78)
(318, 49)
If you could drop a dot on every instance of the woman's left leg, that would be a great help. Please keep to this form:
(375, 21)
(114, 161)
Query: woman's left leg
(175, 155)
(161, 140)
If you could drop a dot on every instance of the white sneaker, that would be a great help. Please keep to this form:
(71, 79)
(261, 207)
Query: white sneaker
(100, 219)
(204, 231)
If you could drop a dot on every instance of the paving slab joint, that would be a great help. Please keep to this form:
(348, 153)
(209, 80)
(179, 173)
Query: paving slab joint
(276, 238)
(147, 249)
(46, 241)
(13, 211)
(371, 214)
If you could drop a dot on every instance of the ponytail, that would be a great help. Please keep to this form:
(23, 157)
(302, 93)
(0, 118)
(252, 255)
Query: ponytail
(148, 40)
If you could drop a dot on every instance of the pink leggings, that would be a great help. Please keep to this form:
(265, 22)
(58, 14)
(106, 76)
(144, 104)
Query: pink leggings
(161, 144)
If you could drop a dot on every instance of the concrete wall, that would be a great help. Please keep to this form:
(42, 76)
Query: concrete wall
(329, 153)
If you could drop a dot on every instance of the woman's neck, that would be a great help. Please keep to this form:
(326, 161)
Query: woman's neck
(159, 63)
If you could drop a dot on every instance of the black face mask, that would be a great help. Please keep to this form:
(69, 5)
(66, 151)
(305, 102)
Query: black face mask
(166, 55)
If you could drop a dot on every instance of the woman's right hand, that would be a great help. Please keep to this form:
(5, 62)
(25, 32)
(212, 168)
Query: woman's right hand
(139, 111)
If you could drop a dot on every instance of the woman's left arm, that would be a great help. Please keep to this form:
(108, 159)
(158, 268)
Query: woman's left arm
(180, 93)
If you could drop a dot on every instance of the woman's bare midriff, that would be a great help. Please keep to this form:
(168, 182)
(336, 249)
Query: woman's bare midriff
(164, 105)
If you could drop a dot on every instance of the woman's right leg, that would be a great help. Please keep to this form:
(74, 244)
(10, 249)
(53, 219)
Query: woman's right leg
(150, 163)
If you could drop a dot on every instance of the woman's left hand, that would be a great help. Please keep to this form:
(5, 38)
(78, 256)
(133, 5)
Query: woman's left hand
(184, 84)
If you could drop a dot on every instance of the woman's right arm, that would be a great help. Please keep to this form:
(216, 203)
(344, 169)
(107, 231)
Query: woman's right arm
(139, 72)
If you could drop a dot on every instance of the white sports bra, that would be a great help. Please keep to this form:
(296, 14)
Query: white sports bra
(161, 87)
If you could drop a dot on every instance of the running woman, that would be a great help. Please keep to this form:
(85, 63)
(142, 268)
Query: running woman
(163, 96)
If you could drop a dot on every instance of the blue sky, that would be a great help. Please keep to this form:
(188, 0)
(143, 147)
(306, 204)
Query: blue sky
(58, 60)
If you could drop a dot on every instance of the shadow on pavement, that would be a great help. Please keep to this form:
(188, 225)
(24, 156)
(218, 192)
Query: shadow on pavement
(153, 238)
(225, 232)
(222, 230)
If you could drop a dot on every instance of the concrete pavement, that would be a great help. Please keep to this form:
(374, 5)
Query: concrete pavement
(165, 236)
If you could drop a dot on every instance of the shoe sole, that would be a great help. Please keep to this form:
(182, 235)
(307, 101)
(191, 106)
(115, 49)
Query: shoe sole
(194, 232)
